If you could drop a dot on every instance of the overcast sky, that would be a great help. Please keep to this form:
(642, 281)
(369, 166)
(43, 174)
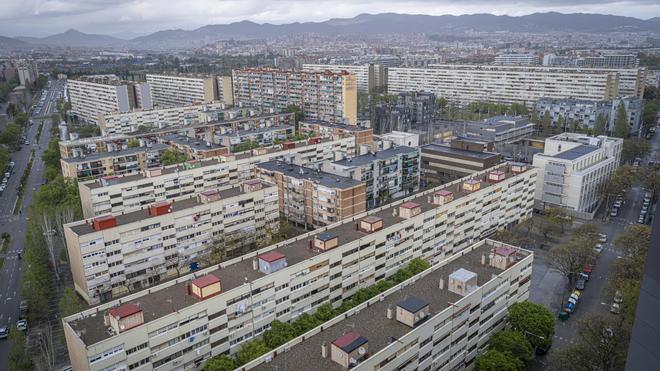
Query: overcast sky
(126, 18)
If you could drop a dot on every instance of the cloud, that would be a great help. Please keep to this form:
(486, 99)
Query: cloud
(40, 17)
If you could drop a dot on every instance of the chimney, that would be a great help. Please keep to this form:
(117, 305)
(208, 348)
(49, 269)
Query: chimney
(255, 265)
(390, 312)
(441, 285)
(324, 350)
(483, 259)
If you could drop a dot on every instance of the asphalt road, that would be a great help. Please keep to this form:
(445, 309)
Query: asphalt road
(10, 276)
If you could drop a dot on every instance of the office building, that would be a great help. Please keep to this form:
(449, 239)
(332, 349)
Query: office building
(147, 120)
(323, 96)
(517, 59)
(172, 183)
(312, 198)
(95, 95)
(165, 328)
(364, 136)
(517, 84)
(585, 113)
(111, 255)
(370, 77)
(388, 174)
(573, 169)
(440, 319)
(123, 162)
(443, 163)
(182, 90)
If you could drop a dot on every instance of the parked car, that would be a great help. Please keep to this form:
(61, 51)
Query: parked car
(598, 248)
(640, 220)
(617, 204)
(603, 238)
(4, 332)
(22, 325)
(581, 283)
(615, 308)
(618, 297)
(615, 212)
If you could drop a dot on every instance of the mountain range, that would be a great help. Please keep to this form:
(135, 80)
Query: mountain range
(363, 24)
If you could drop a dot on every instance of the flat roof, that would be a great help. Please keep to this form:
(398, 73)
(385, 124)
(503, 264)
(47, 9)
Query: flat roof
(380, 155)
(121, 153)
(239, 133)
(194, 143)
(434, 147)
(575, 152)
(372, 322)
(304, 173)
(412, 304)
(347, 127)
(234, 275)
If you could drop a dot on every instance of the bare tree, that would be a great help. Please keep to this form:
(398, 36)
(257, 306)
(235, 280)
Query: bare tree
(45, 345)
(569, 258)
(63, 216)
(47, 230)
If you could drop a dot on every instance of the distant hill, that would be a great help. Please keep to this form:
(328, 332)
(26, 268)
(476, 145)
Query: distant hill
(9, 43)
(363, 24)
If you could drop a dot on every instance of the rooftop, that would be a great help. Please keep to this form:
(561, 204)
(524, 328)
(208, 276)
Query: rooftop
(304, 173)
(193, 143)
(457, 152)
(234, 273)
(380, 155)
(372, 323)
(575, 152)
(412, 304)
(239, 133)
(335, 125)
(124, 152)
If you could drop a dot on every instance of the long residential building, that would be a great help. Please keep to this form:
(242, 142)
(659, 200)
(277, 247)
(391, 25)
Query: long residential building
(573, 170)
(369, 76)
(111, 255)
(440, 319)
(387, 174)
(180, 90)
(185, 321)
(312, 198)
(124, 162)
(131, 122)
(324, 96)
(91, 96)
(517, 84)
(170, 183)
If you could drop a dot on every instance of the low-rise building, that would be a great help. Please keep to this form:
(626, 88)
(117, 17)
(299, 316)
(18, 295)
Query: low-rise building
(573, 169)
(364, 136)
(313, 198)
(443, 163)
(387, 174)
(400, 138)
(111, 255)
(194, 148)
(181, 330)
(123, 162)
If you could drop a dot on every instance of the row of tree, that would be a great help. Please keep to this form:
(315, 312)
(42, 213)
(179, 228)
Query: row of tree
(282, 332)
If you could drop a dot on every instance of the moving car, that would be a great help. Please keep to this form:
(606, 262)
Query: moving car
(4, 332)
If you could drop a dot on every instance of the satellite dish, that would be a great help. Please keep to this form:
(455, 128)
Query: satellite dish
(352, 361)
(361, 351)
(122, 327)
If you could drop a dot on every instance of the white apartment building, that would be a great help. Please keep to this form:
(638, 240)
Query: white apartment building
(399, 138)
(369, 76)
(573, 169)
(517, 59)
(91, 96)
(516, 84)
(439, 326)
(180, 90)
(185, 321)
(130, 122)
(170, 183)
(112, 255)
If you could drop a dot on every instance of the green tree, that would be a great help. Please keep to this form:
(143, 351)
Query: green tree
(11, 136)
(512, 342)
(325, 312)
(600, 126)
(633, 148)
(650, 177)
(251, 350)
(220, 363)
(534, 320)
(495, 360)
(171, 157)
(299, 115)
(55, 119)
(70, 303)
(21, 119)
(546, 123)
(441, 103)
(19, 358)
(621, 122)
(279, 333)
(133, 143)
(569, 258)
(558, 216)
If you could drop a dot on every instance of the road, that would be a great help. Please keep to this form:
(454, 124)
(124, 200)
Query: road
(10, 276)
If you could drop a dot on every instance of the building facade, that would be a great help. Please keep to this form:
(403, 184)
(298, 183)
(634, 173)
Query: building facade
(369, 76)
(124, 162)
(517, 84)
(173, 329)
(171, 183)
(312, 198)
(387, 174)
(116, 254)
(323, 96)
(517, 59)
(364, 136)
(573, 170)
(182, 90)
(445, 163)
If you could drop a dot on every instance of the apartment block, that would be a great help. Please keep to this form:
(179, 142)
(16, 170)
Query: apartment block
(265, 136)
(131, 122)
(323, 96)
(369, 76)
(364, 136)
(387, 174)
(165, 327)
(573, 169)
(517, 84)
(225, 90)
(95, 95)
(443, 163)
(170, 183)
(180, 90)
(399, 138)
(113, 255)
(517, 59)
(194, 148)
(313, 198)
(124, 162)
(440, 319)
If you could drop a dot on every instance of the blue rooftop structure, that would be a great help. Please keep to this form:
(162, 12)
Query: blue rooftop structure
(575, 152)
(412, 304)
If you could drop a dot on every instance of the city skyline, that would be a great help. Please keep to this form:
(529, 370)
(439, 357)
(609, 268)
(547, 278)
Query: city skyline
(132, 18)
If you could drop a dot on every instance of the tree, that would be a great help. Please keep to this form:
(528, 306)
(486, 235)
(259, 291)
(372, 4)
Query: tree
(512, 342)
(55, 119)
(561, 123)
(588, 231)
(546, 123)
(133, 143)
(621, 122)
(171, 157)
(11, 136)
(220, 363)
(279, 333)
(570, 258)
(634, 242)
(535, 321)
(70, 303)
(251, 350)
(600, 127)
(633, 148)
(558, 216)
(19, 358)
(21, 119)
(495, 360)
(545, 227)
(441, 103)
(325, 312)
(650, 177)
(298, 114)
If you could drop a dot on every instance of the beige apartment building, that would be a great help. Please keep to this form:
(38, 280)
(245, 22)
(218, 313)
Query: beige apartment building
(369, 76)
(112, 255)
(124, 162)
(166, 328)
(517, 84)
(312, 198)
(180, 90)
(323, 96)
(128, 193)
(364, 137)
(442, 318)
